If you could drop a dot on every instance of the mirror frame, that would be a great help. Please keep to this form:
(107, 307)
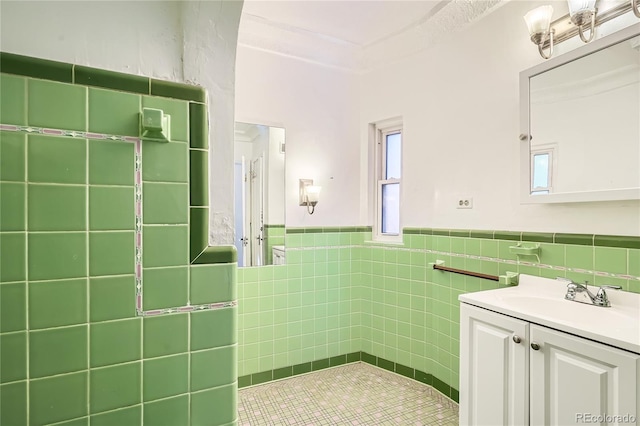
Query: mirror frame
(525, 160)
(269, 125)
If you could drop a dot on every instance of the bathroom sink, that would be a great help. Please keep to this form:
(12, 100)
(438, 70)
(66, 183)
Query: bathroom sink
(541, 300)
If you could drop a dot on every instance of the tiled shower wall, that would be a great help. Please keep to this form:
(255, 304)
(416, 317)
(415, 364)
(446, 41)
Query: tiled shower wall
(339, 295)
(111, 311)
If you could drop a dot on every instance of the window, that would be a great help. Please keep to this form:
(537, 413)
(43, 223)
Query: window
(542, 166)
(388, 176)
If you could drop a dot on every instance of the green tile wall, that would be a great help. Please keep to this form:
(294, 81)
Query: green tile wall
(73, 347)
(399, 314)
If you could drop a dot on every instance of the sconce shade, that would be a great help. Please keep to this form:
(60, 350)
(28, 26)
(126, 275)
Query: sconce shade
(539, 19)
(580, 6)
(313, 193)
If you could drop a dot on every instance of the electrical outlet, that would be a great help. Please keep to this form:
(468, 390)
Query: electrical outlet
(464, 203)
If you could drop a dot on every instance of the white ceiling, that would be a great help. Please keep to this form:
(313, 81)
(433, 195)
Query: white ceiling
(358, 22)
(354, 35)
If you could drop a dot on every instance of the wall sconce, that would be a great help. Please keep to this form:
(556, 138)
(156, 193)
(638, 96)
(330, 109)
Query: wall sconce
(583, 16)
(309, 194)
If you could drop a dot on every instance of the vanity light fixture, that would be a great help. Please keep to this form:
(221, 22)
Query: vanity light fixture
(581, 13)
(539, 21)
(309, 194)
(583, 16)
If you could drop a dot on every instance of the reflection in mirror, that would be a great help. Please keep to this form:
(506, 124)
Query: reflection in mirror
(585, 123)
(259, 194)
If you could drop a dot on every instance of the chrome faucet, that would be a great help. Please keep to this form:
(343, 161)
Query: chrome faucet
(598, 299)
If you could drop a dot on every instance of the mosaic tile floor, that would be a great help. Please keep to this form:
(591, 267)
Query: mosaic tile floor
(352, 394)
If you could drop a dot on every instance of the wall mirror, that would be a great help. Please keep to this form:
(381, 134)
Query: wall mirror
(580, 123)
(259, 194)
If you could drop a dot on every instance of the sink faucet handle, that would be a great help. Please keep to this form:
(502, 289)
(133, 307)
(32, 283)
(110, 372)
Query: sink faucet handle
(601, 297)
(612, 287)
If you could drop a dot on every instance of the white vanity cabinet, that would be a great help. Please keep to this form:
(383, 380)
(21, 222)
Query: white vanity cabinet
(515, 372)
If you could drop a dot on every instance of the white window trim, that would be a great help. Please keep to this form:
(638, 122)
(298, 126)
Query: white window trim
(381, 130)
(551, 149)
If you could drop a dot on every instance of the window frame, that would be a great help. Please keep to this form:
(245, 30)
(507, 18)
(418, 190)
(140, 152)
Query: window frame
(549, 149)
(382, 130)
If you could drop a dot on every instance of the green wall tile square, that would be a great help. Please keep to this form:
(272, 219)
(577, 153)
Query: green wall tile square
(164, 377)
(13, 148)
(215, 328)
(214, 367)
(165, 246)
(13, 266)
(579, 257)
(168, 412)
(213, 283)
(115, 342)
(165, 162)
(111, 80)
(165, 203)
(111, 163)
(12, 206)
(58, 398)
(58, 255)
(13, 95)
(111, 208)
(57, 208)
(57, 351)
(35, 67)
(633, 265)
(114, 113)
(54, 159)
(126, 417)
(111, 253)
(13, 404)
(115, 387)
(13, 357)
(57, 105)
(165, 287)
(198, 126)
(57, 303)
(199, 181)
(165, 335)
(219, 404)
(170, 89)
(112, 298)
(612, 260)
(13, 307)
(179, 112)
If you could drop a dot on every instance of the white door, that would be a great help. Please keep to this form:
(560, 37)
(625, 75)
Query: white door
(240, 238)
(257, 208)
(493, 368)
(574, 380)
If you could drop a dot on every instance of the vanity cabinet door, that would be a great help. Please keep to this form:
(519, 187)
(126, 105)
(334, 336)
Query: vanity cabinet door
(493, 368)
(574, 380)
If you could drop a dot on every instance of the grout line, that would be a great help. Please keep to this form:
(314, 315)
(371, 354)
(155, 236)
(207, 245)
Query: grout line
(26, 265)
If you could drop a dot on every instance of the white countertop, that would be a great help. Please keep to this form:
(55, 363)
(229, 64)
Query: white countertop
(541, 301)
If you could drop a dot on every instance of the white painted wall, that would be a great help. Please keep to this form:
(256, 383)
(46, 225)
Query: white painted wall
(318, 108)
(185, 41)
(459, 102)
(275, 177)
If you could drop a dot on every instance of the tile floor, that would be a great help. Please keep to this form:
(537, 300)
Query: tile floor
(352, 394)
